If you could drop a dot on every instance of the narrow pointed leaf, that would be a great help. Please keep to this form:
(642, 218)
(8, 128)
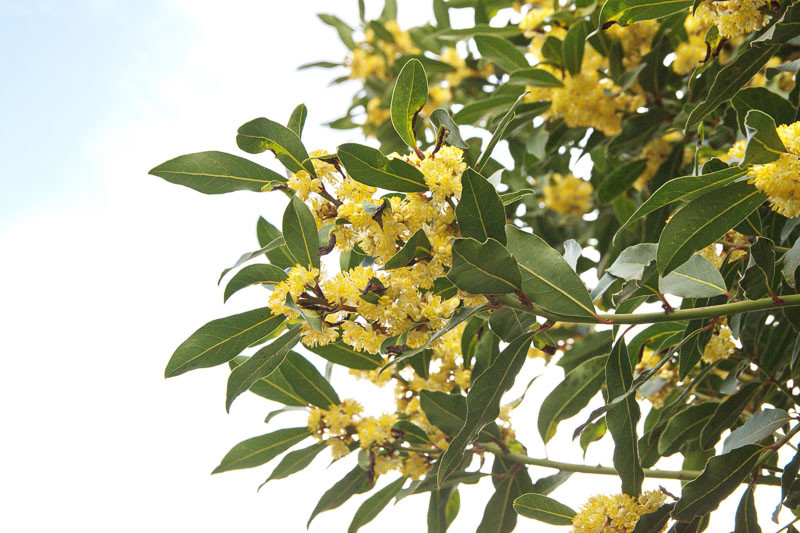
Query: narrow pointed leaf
(498, 133)
(369, 166)
(262, 134)
(298, 119)
(547, 278)
(696, 278)
(221, 340)
(684, 427)
(483, 401)
(726, 414)
(441, 119)
(254, 275)
(260, 365)
(654, 521)
(499, 515)
(544, 509)
(307, 382)
(345, 355)
(300, 233)
(746, 516)
(408, 97)
(296, 461)
(260, 450)
(763, 143)
(574, 42)
(620, 180)
(756, 428)
(216, 173)
(625, 12)
(354, 482)
(373, 505)
(535, 77)
(501, 52)
(417, 247)
(480, 211)
(485, 268)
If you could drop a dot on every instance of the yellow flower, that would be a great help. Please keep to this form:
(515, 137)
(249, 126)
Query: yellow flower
(568, 195)
(635, 38)
(616, 513)
(779, 179)
(376, 115)
(655, 152)
(721, 344)
(298, 279)
(303, 184)
(415, 466)
(733, 18)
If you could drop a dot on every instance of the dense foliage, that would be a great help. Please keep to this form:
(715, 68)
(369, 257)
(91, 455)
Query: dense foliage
(653, 148)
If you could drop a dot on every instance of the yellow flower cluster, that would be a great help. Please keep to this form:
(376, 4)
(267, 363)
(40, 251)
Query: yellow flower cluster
(691, 53)
(655, 153)
(451, 56)
(568, 195)
(729, 245)
(636, 40)
(617, 513)
(733, 18)
(779, 179)
(374, 57)
(668, 373)
(721, 344)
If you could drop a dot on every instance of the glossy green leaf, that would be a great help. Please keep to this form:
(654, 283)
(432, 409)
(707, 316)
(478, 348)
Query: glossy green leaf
(625, 12)
(632, 261)
(756, 428)
(501, 52)
(447, 412)
(684, 427)
(703, 221)
(345, 32)
(574, 42)
(547, 278)
(221, 340)
(762, 99)
(746, 516)
(409, 96)
(370, 167)
(511, 197)
(216, 173)
(254, 275)
(484, 268)
(260, 450)
(498, 133)
(571, 395)
(510, 323)
(307, 382)
(722, 475)
(297, 120)
(437, 509)
(480, 211)
(441, 119)
(729, 80)
(295, 461)
(696, 278)
(345, 355)
(726, 414)
(262, 134)
(684, 189)
(277, 254)
(784, 30)
(417, 247)
(276, 246)
(791, 260)
(622, 419)
(535, 77)
(620, 180)
(499, 515)
(373, 505)
(300, 233)
(544, 509)
(483, 401)
(260, 365)
(655, 520)
(763, 143)
(354, 482)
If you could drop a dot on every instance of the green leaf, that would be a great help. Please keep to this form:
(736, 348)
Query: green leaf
(273, 246)
(535, 77)
(510, 323)
(254, 275)
(571, 395)
(632, 261)
(696, 278)
(544, 509)
(345, 355)
(501, 52)
(437, 509)
(756, 428)
(221, 340)
(260, 365)
(307, 382)
(274, 387)
(684, 189)
(762, 99)
(625, 12)
(441, 119)
(417, 247)
(655, 520)
(295, 461)
(547, 278)
(216, 173)
(447, 412)
(345, 32)
(483, 401)
(408, 97)
(373, 505)
(267, 235)
(499, 515)
(703, 221)
(300, 233)
(620, 180)
(369, 166)
(260, 450)
(722, 475)
(411, 432)
(485, 268)
(784, 30)
(726, 414)
(511, 197)
(441, 13)
(746, 516)
(262, 134)
(574, 42)
(763, 143)
(480, 211)
(298, 119)
(473, 112)
(622, 419)
(791, 260)
(498, 133)
(729, 80)
(684, 427)
(354, 482)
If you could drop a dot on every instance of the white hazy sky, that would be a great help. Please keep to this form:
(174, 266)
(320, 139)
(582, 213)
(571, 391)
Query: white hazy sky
(105, 270)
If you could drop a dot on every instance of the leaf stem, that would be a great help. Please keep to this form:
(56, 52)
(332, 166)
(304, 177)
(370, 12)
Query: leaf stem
(685, 475)
(710, 311)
